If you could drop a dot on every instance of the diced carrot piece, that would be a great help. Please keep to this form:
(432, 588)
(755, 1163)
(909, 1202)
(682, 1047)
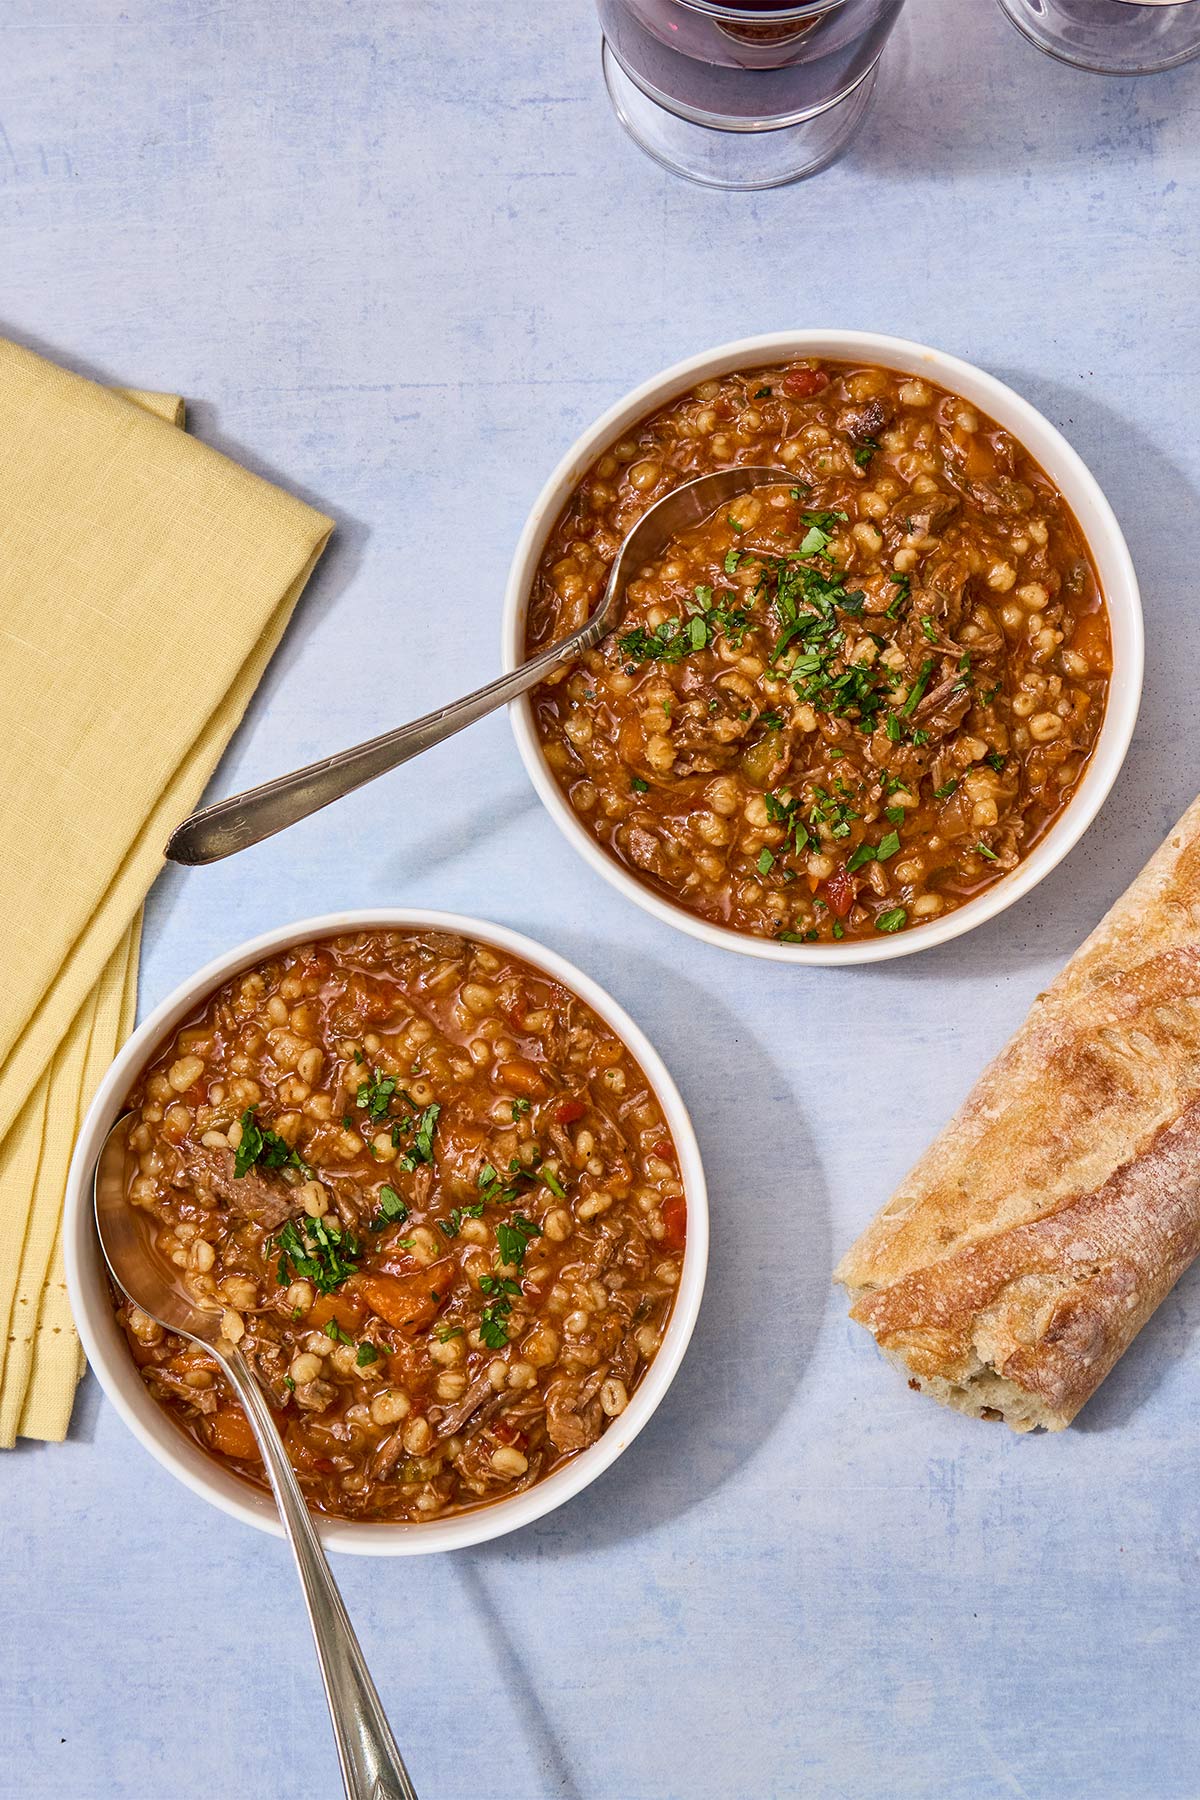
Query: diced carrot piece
(347, 1308)
(187, 1360)
(522, 1077)
(409, 1302)
(229, 1433)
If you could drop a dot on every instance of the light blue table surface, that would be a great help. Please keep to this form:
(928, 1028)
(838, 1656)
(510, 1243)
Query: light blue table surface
(397, 256)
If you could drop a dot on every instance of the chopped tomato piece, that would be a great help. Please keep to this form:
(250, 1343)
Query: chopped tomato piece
(409, 1302)
(674, 1213)
(666, 1149)
(347, 1308)
(509, 1434)
(839, 893)
(229, 1433)
(801, 383)
(569, 1111)
(675, 1219)
(522, 1077)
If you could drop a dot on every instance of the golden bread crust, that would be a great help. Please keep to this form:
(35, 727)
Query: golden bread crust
(1044, 1225)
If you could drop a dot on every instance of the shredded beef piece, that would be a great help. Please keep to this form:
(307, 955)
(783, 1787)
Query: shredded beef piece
(479, 1391)
(203, 1399)
(573, 1412)
(1002, 496)
(314, 1396)
(646, 850)
(266, 1199)
(862, 422)
(928, 514)
(944, 707)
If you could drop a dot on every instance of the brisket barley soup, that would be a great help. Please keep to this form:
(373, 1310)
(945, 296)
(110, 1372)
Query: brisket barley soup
(843, 705)
(439, 1207)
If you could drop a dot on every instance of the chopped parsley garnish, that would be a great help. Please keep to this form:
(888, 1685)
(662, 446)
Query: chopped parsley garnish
(894, 815)
(375, 1096)
(391, 1205)
(493, 1326)
(945, 791)
(289, 1384)
(319, 1250)
(995, 760)
(392, 1210)
(453, 1225)
(893, 727)
(783, 810)
(367, 1354)
(496, 1189)
(676, 638)
(929, 628)
(519, 1108)
(891, 920)
(734, 524)
(333, 1330)
(918, 687)
(806, 603)
(766, 861)
(422, 1146)
(762, 393)
(639, 786)
(444, 1333)
(732, 559)
(865, 452)
(880, 852)
(984, 851)
(903, 588)
(265, 1147)
(514, 1239)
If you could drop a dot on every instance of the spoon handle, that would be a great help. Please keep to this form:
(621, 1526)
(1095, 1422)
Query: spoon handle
(372, 1767)
(244, 819)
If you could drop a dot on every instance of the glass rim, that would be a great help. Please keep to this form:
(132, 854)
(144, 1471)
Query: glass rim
(797, 13)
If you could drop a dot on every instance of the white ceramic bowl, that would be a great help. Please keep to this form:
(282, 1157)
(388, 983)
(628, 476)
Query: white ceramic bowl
(1065, 469)
(108, 1353)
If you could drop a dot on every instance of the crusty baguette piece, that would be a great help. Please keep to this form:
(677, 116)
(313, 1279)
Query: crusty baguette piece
(1038, 1233)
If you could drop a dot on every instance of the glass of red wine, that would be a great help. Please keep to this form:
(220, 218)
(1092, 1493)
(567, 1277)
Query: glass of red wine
(1113, 37)
(743, 93)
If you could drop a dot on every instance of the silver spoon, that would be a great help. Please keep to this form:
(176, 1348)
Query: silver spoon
(372, 1767)
(230, 825)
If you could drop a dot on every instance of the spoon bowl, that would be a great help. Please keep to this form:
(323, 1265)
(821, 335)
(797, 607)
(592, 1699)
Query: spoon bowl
(243, 819)
(149, 1279)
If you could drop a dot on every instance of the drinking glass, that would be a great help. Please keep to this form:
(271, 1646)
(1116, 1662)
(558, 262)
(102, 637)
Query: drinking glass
(1113, 37)
(743, 93)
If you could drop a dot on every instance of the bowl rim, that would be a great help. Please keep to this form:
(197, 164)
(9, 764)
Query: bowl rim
(1070, 474)
(108, 1354)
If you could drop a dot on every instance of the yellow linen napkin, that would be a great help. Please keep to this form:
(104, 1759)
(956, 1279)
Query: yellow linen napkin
(145, 581)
